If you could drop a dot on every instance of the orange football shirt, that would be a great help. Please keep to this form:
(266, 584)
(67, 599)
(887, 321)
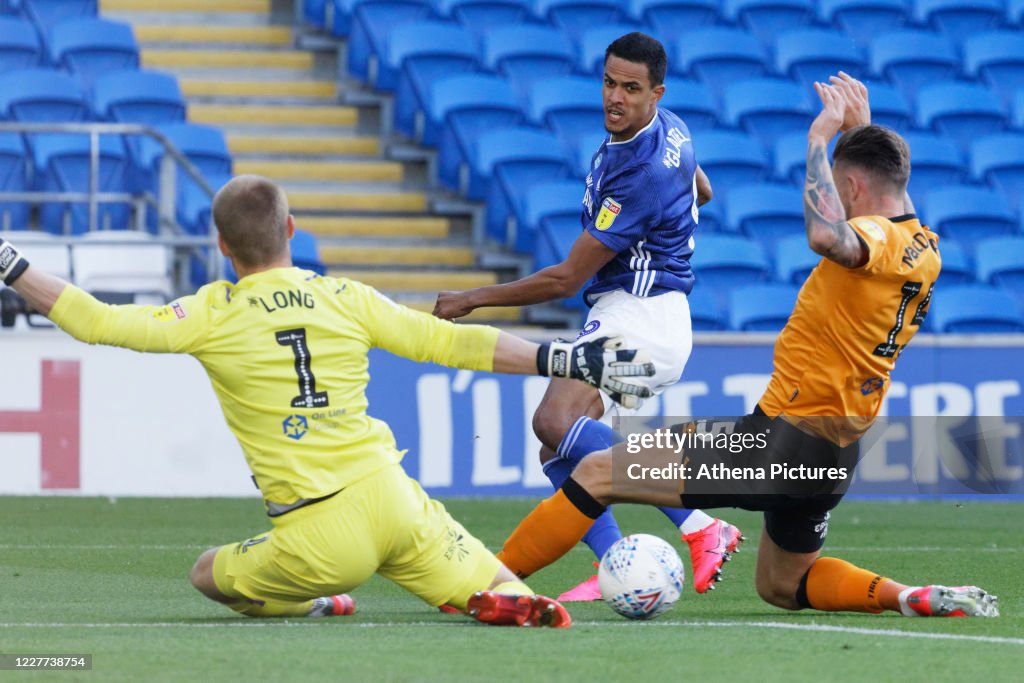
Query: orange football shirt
(849, 325)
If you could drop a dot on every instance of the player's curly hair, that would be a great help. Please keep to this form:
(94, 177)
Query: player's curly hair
(641, 48)
(876, 149)
(251, 214)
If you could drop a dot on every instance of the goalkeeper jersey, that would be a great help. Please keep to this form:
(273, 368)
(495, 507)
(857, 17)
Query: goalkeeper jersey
(286, 352)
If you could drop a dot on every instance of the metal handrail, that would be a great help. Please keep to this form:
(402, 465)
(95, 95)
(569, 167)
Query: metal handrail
(167, 179)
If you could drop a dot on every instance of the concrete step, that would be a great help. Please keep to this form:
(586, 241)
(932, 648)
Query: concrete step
(164, 58)
(259, 90)
(272, 115)
(357, 202)
(386, 227)
(480, 315)
(212, 34)
(200, 6)
(303, 145)
(421, 281)
(358, 171)
(405, 255)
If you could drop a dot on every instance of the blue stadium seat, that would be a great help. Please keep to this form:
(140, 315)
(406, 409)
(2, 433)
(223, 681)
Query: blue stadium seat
(934, 161)
(766, 212)
(593, 42)
(423, 51)
(761, 308)
(1018, 109)
(960, 111)
(721, 263)
(719, 56)
(420, 53)
(47, 13)
(553, 200)
(554, 237)
(971, 309)
(864, 19)
(91, 47)
(461, 108)
(794, 260)
(371, 22)
(673, 17)
(996, 58)
(195, 214)
(706, 313)
(577, 15)
(767, 108)
(1000, 262)
(505, 162)
(809, 55)
(42, 95)
(526, 54)
(13, 178)
(998, 160)
(206, 148)
(730, 159)
(20, 47)
(969, 214)
(314, 12)
(692, 102)
(583, 147)
(956, 265)
(768, 18)
(147, 97)
(480, 15)
(889, 107)
(912, 59)
(62, 165)
(568, 105)
(1015, 12)
(959, 19)
(305, 253)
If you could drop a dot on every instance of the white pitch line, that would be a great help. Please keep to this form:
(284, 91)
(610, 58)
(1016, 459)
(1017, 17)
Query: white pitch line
(819, 628)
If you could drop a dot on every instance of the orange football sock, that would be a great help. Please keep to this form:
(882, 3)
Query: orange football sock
(547, 533)
(835, 585)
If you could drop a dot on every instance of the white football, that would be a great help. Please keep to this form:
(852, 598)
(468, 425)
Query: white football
(641, 576)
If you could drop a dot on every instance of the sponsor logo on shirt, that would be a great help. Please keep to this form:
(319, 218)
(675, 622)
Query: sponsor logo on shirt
(295, 426)
(606, 216)
(871, 385)
(589, 328)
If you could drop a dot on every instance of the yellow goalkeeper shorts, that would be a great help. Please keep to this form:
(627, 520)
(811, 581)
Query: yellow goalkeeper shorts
(385, 523)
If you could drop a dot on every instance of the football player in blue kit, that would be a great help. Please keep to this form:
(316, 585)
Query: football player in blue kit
(640, 210)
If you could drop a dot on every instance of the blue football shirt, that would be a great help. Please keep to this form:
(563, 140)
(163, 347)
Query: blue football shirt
(641, 201)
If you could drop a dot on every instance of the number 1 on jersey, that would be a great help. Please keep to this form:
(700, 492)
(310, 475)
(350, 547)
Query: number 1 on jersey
(308, 396)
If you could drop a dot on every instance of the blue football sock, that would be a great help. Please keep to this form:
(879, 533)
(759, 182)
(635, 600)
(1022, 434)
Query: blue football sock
(603, 533)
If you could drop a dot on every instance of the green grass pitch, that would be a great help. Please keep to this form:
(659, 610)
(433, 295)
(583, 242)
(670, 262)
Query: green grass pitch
(109, 578)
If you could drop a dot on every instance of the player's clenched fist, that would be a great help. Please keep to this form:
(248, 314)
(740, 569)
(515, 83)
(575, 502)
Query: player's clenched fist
(451, 305)
(602, 363)
(12, 263)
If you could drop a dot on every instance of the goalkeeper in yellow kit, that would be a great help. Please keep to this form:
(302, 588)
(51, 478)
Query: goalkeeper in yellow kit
(286, 352)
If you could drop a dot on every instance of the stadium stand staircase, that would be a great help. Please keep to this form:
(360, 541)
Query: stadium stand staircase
(280, 110)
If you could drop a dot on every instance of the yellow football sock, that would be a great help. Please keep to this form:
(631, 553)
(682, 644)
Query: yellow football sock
(548, 532)
(834, 585)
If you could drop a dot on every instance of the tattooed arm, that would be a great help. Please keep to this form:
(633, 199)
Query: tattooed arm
(828, 233)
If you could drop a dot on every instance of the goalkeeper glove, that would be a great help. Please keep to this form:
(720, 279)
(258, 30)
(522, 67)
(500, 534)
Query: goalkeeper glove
(601, 363)
(12, 263)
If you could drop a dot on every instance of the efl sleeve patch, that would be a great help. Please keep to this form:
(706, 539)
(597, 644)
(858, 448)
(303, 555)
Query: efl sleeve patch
(871, 230)
(173, 312)
(609, 212)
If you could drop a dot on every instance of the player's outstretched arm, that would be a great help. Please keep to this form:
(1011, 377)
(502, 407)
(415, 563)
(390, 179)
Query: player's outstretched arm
(559, 281)
(704, 192)
(828, 233)
(602, 363)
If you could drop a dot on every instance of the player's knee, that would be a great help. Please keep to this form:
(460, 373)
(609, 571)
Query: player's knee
(201, 575)
(594, 474)
(550, 426)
